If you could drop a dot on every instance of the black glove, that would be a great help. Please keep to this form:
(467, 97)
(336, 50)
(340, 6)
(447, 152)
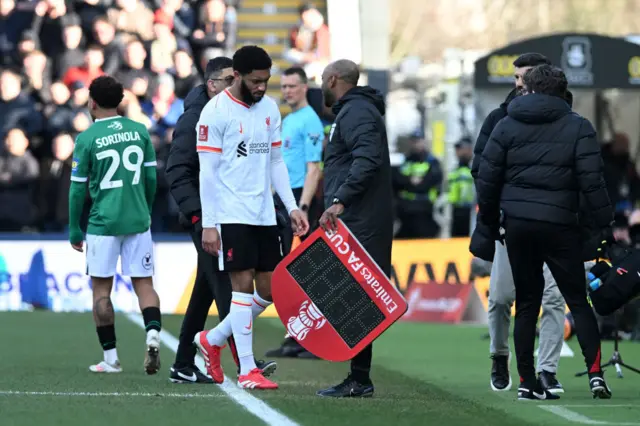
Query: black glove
(605, 241)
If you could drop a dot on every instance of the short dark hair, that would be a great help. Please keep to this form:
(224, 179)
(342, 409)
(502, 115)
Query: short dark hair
(250, 58)
(531, 60)
(297, 71)
(215, 65)
(546, 79)
(106, 91)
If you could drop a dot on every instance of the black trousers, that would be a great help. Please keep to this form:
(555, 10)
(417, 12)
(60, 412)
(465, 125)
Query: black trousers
(210, 284)
(530, 244)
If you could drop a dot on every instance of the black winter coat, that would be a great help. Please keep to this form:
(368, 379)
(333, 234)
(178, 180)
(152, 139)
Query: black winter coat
(482, 242)
(357, 171)
(183, 167)
(538, 161)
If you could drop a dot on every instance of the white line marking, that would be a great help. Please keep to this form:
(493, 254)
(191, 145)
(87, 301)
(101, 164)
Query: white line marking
(116, 394)
(572, 416)
(255, 406)
(601, 406)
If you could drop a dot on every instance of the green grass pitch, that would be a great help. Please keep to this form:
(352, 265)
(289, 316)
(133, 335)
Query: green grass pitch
(423, 373)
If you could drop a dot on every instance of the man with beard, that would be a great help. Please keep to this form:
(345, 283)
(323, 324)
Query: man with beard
(537, 162)
(357, 186)
(501, 287)
(239, 148)
(182, 173)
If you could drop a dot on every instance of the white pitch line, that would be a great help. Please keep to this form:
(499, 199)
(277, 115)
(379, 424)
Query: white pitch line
(254, 405)
(115, 394)
(572, 416)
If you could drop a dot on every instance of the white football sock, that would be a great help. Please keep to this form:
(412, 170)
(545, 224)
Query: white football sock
(153, 338)
(111, 356)
(218, 335)
(258, 304)
(242, 325)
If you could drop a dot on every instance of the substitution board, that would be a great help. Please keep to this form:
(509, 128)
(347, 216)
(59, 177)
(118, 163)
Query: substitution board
(332, 297)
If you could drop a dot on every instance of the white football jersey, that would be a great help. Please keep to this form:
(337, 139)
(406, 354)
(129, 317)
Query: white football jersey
(243, 136)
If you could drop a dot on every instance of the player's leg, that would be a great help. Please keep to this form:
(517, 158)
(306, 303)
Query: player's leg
(551, 334)
(137, 262)
(238, 257)
(102, 259)
(526, 252)
(184, 369)
(568, 270)
(501, 297)
(267, 243)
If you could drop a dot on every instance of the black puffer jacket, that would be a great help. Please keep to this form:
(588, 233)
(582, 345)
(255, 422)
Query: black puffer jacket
(537, 162)
(357, 171)
(183, 166)
(482, 242)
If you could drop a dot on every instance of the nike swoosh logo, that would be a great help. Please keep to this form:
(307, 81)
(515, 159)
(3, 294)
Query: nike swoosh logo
(542, 395)
(638, 273)
(250, 324)
(191, 378)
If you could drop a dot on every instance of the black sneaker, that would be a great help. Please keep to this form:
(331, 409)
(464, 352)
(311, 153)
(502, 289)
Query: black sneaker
(534, 392)
(288, 349)
(599, 388)
(267, 367)
(349, 388)
(549, 382)
(500, 377)
(188, 374)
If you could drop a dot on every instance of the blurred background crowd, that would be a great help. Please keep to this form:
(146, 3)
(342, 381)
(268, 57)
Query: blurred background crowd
(50, 50)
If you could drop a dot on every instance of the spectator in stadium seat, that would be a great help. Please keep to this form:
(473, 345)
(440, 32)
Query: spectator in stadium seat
(27, 44)
(308, 44)
(131, 108)
(132, 74)
(49, 26)
(16, 108)
(73, 54)
(18, 172)
(212, 30)
(53, 187)
(184, 73)
(91, 69)
(164, 108)
(133, 19)
(13, 23)
(38, 77)
(59, 113)
(89, 11)
(162, 48)
(184, 19)
(104, 34)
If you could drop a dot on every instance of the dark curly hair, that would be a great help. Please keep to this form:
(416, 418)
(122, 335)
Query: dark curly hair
(106, 91)
(250, 58)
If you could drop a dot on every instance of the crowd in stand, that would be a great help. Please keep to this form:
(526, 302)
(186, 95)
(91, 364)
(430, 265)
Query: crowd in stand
(50, 50)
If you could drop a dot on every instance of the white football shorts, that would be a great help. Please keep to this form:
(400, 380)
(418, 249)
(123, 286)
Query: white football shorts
(135, 252)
